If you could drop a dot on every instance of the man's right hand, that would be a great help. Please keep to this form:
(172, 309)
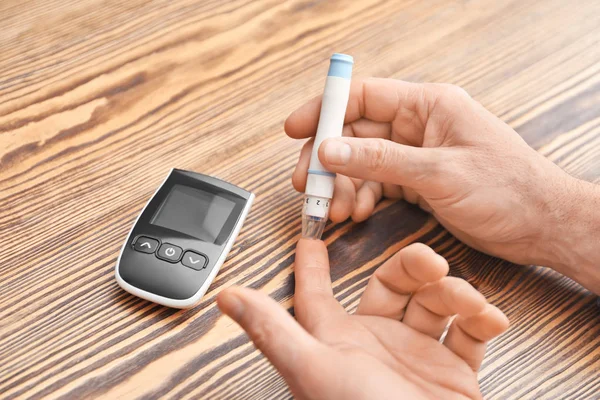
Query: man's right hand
(435, 146)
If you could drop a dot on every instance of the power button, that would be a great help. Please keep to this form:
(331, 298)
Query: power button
(169, 252)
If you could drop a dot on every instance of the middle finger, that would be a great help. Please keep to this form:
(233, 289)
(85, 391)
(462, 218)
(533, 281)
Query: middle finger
(389, 289)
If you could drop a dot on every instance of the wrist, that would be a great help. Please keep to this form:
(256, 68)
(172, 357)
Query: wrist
(571, 231)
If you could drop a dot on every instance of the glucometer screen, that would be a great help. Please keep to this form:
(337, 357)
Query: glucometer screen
(194, 212)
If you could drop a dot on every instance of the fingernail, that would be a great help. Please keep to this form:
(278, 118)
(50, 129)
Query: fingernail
(337, 152)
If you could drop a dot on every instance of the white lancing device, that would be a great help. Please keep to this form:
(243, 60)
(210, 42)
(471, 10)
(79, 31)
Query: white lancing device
(320, 182)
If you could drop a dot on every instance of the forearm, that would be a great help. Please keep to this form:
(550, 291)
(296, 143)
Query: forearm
(572, 240)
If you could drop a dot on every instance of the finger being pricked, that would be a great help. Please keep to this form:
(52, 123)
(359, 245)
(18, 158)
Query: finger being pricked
(314, 303)
(389, 289)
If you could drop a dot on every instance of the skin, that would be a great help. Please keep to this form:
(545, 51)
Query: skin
(390, 348)
(433, 145)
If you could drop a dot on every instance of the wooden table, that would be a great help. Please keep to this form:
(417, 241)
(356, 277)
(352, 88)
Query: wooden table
(99, 99)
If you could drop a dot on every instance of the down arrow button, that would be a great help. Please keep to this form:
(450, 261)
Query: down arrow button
(193, 260)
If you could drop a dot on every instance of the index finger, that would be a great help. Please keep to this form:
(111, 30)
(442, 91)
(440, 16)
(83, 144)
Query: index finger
(376, 99)
(313, 299)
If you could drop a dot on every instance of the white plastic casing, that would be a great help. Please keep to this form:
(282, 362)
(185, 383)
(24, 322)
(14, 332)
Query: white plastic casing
(316, 206)
(320, 182)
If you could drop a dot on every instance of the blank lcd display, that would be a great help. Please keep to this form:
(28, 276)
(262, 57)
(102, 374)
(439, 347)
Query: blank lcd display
(194, 212)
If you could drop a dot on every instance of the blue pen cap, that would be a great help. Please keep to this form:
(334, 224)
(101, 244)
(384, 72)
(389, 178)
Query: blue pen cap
(341, 65)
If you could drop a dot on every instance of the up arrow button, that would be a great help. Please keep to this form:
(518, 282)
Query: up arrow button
(194, 260)
(144, 244)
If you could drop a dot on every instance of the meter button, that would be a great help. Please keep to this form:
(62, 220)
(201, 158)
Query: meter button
(193, 260)
(169, 252)
(144, 244)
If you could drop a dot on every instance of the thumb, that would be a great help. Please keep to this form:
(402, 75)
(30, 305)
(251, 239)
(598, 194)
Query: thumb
(380, 160)
(274, 332)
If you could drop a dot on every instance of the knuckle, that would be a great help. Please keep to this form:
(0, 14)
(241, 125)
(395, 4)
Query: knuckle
(444, 169)
(438, 163)
(454, 91)
(452, 282)
(447, 94)
(455, 287)
(262, 334)
(380, 274)
(376, 157)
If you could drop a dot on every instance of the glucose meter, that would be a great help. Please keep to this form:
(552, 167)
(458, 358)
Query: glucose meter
(181, 238)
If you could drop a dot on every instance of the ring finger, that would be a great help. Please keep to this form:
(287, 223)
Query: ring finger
(431, 307)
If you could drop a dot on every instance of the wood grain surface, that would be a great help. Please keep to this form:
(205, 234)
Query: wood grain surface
(100, 98)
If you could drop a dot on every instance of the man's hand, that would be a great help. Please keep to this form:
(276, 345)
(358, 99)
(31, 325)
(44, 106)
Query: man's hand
(435, 146)
(390, 348)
